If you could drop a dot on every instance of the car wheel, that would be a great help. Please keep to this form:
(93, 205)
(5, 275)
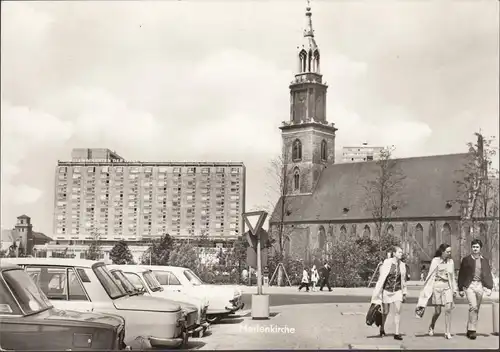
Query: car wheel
(140, 343)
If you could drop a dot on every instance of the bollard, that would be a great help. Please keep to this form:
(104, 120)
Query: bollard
(260, 307)
(495, 317)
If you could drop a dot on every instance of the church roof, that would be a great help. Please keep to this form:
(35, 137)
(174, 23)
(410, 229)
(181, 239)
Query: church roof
(41, 237)
(428, 186)
(14, 236)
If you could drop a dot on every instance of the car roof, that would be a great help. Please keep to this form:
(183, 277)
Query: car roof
(166, 267)
(83, 263)
(129, 268)
(5, 265)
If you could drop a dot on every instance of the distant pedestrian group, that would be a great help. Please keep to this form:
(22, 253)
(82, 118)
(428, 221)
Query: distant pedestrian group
(439, 289)
(316, 278)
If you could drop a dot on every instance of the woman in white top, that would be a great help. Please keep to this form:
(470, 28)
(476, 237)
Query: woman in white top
(441, 286)
(314, 277)
(305, 280)
(391, 289)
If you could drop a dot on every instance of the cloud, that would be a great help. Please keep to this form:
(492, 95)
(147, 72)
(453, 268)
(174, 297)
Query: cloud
(24, 130)
(23, 194)
(393, 127)
(161, 81)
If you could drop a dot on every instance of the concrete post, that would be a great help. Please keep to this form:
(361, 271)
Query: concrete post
(495, 317)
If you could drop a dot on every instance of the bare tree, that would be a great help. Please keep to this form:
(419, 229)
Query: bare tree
(384, 192)
(477, 192)
(277, 192)
(490, 213)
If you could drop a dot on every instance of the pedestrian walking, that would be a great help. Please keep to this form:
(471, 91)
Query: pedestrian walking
(404, 259)
(305, 280)
(314, 278)
(440, 285)
(244, 276)
(474, 279)
(325, 277)
(391, 289)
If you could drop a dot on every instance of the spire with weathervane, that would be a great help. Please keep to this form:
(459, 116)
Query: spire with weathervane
(308, 51)
(308, 92)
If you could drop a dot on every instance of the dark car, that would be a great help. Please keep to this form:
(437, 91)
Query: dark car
(28, 321)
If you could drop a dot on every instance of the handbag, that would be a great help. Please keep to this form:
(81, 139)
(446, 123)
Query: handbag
(374, 315)
(419, 311)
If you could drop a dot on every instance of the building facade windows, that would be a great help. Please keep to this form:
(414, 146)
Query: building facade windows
(296, 179)
(324, 150)
(297, 150)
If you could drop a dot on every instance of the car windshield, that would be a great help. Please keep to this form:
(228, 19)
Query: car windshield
(112, 288)
(153, 284)
(123, 281)
(30, 297)
(193, 278)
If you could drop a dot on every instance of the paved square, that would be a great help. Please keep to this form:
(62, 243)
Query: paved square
(337, 326)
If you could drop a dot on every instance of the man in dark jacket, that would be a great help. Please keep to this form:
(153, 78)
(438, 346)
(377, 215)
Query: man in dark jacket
(325, 276)
(474, 279)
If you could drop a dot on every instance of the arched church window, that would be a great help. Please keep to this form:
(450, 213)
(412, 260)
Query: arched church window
(366, 232)
(316, 61)
(297, 150)
(303, 60)
(296, 179)
(390, 230)
(309, 61)
(446, 233)
(419, 236)
(343, 233)
(323, 150)
(483, 230)
(287, 246)
(321, 238)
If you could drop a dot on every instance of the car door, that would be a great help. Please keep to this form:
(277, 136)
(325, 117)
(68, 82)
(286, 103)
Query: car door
(63, 287)
(168, 281)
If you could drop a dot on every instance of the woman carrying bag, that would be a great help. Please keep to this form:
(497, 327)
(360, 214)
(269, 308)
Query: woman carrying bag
(391, 288)
(441, 287)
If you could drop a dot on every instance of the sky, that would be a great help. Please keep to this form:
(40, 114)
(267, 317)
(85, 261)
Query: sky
(206, 80)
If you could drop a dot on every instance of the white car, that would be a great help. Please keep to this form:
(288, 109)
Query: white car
(88, 286)
(224, 299)
(145, 282)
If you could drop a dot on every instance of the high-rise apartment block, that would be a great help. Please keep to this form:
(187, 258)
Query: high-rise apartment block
(100, 193)
(359, 153)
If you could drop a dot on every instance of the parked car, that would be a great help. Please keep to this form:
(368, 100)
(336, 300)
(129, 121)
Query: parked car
(28, 321)
(86, 285)
(145, 281)
(224, 299)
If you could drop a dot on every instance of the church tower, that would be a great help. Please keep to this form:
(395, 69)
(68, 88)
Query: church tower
(308, 140)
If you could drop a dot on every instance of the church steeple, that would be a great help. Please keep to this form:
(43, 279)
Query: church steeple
(308, 138)
(308, 51)
(308, 32)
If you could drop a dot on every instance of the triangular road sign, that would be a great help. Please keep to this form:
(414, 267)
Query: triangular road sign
(257, 225)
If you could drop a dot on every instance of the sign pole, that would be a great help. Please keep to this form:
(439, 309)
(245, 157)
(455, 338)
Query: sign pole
(260, 302)
(259, 268)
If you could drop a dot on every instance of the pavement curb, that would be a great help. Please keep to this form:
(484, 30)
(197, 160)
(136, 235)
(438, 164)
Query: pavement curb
(376, 347)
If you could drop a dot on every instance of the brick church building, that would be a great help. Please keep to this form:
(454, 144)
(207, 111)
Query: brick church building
(325, 201)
